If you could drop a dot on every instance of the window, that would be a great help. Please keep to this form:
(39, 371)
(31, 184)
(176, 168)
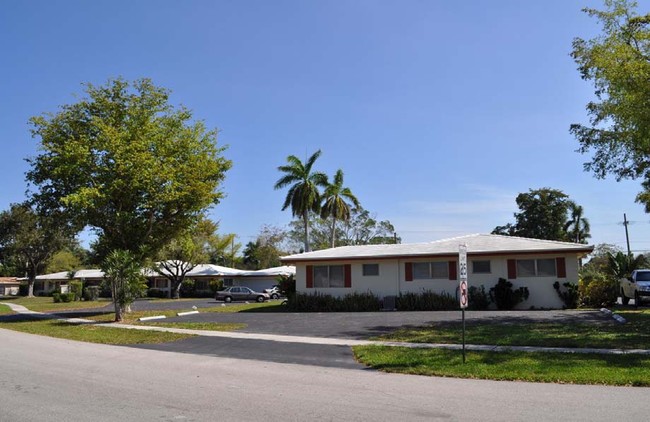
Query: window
(481, 267)
(429, 270)
(227, 282)
(536, 268)
(329, 276)
(160, 284)
(370, 269)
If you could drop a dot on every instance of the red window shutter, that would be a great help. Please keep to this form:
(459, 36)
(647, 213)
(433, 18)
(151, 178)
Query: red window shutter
(348, 275)
(408, 271)
(560, 263)
(310, 277)
(453, 274)
(512, 269)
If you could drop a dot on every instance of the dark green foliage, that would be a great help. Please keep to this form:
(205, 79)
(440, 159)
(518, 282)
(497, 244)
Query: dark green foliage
(68, 297)
(76, 287)
(215, 286)
(597, 289)
(91, 293)
(479, 299)
(156, 293)
(319, 302)
(56, 297)
(426, 301)
(188, 288)
(287, 285)
(23, 289)
(503, 295)
(569, 295)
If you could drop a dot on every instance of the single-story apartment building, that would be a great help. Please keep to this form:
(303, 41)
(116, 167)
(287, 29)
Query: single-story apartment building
(9, 286)
(201, 274)
(391, 270)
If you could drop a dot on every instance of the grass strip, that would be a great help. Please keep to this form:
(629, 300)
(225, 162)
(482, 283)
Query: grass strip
(5, 310)
(621, 370)
(88, 333)
(46, 304)
(607, 334)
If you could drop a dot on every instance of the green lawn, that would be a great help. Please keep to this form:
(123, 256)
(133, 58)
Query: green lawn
(631, 370)
(46, 304)
(609, 334)
(5, 310)
(89, 333)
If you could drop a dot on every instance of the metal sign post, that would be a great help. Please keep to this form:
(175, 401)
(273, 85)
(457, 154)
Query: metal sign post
(464, 299)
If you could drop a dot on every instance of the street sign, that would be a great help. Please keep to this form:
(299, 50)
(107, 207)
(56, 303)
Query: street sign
(462, 263)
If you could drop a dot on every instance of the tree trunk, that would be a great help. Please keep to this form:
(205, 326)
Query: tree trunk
(333, 231)
(176, 289)
(305, 219)
(119, 312)
(31, 279)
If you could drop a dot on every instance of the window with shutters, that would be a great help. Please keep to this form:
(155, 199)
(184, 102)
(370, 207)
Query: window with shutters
(536, 268)
(329, 276)
(430, 270)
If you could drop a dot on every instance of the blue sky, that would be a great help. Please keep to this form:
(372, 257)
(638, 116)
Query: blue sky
(438, 112)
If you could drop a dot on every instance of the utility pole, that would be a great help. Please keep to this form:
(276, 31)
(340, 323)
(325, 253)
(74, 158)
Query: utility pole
(627, 236)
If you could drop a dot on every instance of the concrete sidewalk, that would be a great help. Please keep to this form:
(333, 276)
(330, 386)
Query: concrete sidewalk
(333, 341)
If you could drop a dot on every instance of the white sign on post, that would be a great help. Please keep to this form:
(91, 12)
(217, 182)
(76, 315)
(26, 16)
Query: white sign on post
(462, 263)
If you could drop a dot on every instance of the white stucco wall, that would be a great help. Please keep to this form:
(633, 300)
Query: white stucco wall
(392, 280)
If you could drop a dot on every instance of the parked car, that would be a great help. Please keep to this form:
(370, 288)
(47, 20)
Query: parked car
(240, 293)
(274, 292)
(636, 287)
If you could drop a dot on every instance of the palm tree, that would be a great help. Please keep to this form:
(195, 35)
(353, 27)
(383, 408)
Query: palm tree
(334, 202)
(577, 227)
(303, 195)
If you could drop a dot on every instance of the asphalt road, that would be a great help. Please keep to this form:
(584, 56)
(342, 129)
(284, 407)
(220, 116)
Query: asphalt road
(46, 379)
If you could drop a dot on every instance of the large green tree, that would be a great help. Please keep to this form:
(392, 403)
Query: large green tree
(266, 250)
(128, 164)
(617, 62)
(336, 203)
(28, 240)
(303, 196)
(543, 215)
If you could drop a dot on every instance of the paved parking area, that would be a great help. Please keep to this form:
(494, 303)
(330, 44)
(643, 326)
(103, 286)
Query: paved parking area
(362, 325)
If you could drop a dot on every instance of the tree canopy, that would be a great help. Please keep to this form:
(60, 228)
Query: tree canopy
(127, 163)
(617, 62)
(336, 203)
(544, 214)
(28, 240)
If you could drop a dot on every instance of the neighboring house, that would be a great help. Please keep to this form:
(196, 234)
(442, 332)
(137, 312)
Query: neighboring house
(390, 270)
(262, 279)
(49, 282)
(9, 286)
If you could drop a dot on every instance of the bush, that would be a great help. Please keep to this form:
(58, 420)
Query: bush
(569, 295)
(188, 288)
(215, 286)
(23, 289)
(56, 297)
(91, 293)
(68, 297)
(505, 297)
(156, 293)
(287, 285)
(597, 289)
(319, 302)
(426, 301)
(479, 299)
(76, 287)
